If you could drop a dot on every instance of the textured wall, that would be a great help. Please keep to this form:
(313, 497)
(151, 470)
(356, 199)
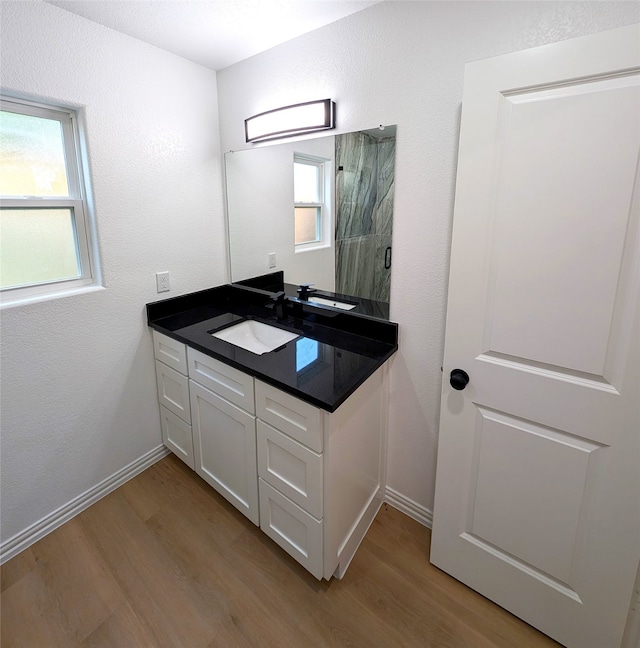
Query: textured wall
(403, 63)
(78, 386)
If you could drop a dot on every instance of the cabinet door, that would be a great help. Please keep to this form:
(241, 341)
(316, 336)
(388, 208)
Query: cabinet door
(297, 532)
(177, 436)
(173, 391)
(224, 439)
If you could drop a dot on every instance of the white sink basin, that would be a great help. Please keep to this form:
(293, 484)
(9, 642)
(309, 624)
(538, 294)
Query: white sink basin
(332, 302)
(255, 336)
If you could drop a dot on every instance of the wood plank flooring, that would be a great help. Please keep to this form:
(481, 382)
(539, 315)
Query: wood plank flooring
(165, 561)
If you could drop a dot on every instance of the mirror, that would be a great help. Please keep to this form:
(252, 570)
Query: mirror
(339, 240)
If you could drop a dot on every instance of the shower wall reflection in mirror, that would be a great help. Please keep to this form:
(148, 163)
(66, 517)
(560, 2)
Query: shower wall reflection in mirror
(344, 229)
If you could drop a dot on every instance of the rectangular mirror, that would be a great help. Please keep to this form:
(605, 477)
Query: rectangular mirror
(320, 210)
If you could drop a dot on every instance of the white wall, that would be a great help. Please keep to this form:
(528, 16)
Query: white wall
(78, 382)
(402, 63)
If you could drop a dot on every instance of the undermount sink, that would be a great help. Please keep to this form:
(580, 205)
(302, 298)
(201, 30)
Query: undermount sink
(254, 336)
(332, 302)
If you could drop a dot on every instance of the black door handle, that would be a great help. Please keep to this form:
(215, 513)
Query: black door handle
(458, 379)
(387, 258)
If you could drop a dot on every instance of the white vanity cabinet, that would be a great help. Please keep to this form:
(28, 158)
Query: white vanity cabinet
(312, 480)
(224, 430)
(173, 396)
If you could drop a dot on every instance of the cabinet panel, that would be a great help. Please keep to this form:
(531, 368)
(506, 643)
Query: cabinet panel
(224, 439)
(297, 532)
(170, 351)
(290, 467)
(234, 385)
(301, 421)
(173, 391)
(177, 436)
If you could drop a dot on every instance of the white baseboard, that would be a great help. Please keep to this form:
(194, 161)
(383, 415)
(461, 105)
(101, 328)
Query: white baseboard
(414, 510)
(48, 523)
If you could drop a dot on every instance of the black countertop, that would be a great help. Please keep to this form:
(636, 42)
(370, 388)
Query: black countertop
(335, 353)
(274, 282)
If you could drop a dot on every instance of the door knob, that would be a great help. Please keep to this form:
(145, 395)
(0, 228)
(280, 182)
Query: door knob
(458, 379)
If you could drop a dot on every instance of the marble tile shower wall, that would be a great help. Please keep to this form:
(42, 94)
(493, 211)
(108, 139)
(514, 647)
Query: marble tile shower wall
(364, 214)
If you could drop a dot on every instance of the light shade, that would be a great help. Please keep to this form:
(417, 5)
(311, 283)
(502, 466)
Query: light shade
(291, 120)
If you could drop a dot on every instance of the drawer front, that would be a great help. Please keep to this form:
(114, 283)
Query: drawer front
(172, 353)
(301, 421)
(290, 467)
(297, 532)
(234, 385)
(177, 436)
(173, 391)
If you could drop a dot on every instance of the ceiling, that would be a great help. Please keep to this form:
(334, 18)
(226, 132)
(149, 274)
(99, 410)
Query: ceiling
(214, 33)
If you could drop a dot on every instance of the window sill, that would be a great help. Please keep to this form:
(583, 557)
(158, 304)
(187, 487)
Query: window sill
(311, 247)
(24, 300)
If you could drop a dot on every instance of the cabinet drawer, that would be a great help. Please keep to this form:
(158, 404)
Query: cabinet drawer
(301, 421)
(177, 436)
(234, 385)
(171, 352)
(173, 391)
(297, 532)
(290, 467)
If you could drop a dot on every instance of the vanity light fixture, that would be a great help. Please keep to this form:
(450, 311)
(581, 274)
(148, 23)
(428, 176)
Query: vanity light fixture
(298, 119)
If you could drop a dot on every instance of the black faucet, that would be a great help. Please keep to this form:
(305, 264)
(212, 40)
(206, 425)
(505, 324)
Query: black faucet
(278, 302)
(305, 290)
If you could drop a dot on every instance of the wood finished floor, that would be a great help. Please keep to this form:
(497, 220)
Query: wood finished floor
(165, 561)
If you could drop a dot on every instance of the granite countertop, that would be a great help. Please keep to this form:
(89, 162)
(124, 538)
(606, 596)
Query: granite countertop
(274, 282)
(335, 352)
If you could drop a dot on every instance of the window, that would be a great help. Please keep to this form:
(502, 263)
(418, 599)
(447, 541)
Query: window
(309, 201)
(45, 234)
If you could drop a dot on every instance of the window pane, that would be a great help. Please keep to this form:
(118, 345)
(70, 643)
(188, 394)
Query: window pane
(307, 224)
(32, 160)
(306, 182)
(36, 246)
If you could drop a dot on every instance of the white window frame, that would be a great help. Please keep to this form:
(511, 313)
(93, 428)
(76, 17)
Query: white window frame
(76, 201)
(323, 224)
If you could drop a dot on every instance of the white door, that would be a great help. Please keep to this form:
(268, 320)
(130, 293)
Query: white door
(537, 500)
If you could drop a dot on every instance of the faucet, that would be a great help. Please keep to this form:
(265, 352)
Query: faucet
(278, 302)
(305, 290)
